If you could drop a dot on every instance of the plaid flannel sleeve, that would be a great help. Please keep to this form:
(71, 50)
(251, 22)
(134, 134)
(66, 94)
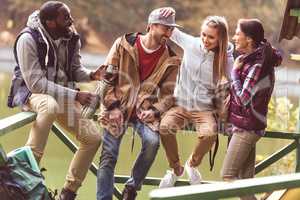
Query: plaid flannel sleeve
(243, 92)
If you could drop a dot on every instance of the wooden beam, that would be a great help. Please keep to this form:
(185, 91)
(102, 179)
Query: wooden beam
(225, 189)
(16, 121)
(281, 135)
(295, 57)
(275, 157)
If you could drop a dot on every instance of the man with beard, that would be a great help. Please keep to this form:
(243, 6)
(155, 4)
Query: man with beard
(48, 65)
(142, 92)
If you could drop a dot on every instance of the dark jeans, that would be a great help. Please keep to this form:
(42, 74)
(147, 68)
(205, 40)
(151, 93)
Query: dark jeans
(109, 156)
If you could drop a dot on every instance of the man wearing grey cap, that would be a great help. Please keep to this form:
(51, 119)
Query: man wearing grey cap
(143, 91)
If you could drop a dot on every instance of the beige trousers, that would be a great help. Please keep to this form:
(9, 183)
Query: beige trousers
(67, 114)
(239, 162)
(176, 119)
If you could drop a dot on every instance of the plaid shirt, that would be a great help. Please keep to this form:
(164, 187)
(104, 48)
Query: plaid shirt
(251, 88)
(243, 92)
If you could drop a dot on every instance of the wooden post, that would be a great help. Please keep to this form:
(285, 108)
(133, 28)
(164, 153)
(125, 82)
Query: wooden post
(295, 13)
(298, 156)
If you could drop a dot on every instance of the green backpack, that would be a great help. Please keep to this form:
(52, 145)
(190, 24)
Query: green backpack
(20, 179)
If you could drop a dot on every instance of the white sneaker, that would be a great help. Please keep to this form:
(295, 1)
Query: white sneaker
(169, 179)
(193, 174)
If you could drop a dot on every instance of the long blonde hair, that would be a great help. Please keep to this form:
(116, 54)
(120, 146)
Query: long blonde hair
(221, 25)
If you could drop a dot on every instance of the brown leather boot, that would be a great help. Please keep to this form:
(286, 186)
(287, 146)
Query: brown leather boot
(129, 193)
(67, 194)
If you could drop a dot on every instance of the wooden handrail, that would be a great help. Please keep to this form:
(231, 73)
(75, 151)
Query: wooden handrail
(21, 119)
(226, 190)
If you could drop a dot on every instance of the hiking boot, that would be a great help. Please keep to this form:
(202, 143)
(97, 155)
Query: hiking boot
(129, 193)
(193, 174)
(169, 179)
(67, 194)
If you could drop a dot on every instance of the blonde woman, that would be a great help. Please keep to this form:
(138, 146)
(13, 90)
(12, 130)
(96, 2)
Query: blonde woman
(206, 59)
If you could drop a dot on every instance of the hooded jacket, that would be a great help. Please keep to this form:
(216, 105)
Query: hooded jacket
(44, 65)
(252, 88)
(129, 93)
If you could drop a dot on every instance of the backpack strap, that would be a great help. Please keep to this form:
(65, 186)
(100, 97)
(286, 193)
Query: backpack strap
(213, 156)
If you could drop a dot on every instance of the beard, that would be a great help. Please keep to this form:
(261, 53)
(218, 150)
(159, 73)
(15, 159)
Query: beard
(66, 32)
(161, 39)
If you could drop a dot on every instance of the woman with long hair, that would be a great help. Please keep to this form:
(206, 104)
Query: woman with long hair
(206, 59)
(252, 85)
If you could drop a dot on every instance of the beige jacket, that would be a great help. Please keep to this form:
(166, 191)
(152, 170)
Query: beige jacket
(129, 93)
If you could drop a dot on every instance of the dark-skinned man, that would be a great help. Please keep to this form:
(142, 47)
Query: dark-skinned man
(47, 53)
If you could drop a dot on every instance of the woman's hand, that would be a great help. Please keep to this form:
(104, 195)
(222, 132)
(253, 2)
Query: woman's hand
(99, 73)
(238, 63)
(167, 11)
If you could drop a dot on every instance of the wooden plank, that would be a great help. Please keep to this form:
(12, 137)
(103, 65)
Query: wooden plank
(117, 193)
(13, 122)
(281, 135)
(275, 157)
(225, 190)
(155, 181)
(295, 57)
(295, 13)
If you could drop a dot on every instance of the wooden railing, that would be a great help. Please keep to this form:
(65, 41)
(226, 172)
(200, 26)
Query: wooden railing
(224, 190)
(21, 119)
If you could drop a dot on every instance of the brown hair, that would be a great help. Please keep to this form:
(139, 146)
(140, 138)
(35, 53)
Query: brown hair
(220, 60)
(252, 28)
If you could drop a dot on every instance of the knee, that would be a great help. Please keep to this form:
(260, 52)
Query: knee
(48, 106)
(152, 144)
(91, 140)
(167, 128)
(150, 149)
(110, 151)
(107, 160)
(89, 133)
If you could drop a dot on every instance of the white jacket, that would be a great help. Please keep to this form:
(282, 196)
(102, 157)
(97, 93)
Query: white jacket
(194, 88)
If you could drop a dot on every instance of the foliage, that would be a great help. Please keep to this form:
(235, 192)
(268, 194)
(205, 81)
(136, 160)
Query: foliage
(113, 18)
(282, 115)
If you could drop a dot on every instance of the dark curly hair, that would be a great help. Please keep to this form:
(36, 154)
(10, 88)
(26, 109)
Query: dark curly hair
(49, 11)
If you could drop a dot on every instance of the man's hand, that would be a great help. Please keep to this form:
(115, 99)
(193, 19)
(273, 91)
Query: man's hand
(116, 116)
(116, 120)
(85, 98)
(146, 115)
(167, 11)
(113, 120)
(238, 63)
(99, 73)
